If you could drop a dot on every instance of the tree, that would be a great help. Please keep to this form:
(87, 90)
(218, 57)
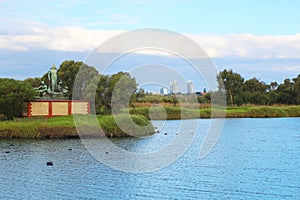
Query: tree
(121, 85)
(140, 93)
(254, 85)
(175, 100)
(102, 102)
(297, 88)
(233, 83)
(255, 92)
(123, 89)
(286, 93)
(34, 82)
(273, 96)
(13, 94)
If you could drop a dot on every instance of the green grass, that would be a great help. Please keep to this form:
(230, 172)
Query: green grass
(120, 125)
(64, 127)
(231, 112)
(292, 111)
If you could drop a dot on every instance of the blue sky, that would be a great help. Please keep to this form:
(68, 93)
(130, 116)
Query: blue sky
(185, 16)
(255, 38)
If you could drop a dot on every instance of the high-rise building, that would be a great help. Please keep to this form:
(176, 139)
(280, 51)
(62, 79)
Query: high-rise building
(190, 87)
(164, 91)
(173, 87)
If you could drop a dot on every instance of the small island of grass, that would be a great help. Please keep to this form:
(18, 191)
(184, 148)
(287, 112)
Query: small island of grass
(64, 127)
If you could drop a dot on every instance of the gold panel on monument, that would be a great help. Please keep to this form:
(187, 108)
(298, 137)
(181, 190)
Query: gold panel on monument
(79, 108)
(39, 108)
(59, 108)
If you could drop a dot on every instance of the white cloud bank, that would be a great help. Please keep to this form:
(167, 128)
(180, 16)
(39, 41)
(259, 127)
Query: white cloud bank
(250, 46)
(75, 39)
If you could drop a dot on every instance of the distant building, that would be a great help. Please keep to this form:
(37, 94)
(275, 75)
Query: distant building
(173, 87)
(190, 87)
(164, 91)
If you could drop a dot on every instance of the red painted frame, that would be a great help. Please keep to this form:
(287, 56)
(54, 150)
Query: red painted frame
(29, 106)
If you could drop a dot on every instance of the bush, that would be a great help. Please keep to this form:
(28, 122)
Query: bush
(13, 94)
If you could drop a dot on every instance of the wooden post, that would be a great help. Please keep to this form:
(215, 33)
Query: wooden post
(69, 107)
(50, 109)
(29, 109)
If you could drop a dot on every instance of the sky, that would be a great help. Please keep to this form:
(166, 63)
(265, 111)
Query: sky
(254, 38)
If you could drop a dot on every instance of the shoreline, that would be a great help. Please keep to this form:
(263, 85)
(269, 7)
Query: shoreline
(64, 127)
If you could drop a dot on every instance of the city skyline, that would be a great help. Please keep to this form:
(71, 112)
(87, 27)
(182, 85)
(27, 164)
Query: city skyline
(190, 89)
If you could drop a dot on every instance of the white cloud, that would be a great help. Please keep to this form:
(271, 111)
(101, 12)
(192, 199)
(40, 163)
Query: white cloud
(73, 39)
(76, 39)
(249, 45)
(293, 68)
(7, 43)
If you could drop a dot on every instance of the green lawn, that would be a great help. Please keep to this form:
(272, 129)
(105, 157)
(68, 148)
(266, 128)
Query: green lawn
(231, 112)
(64, 127)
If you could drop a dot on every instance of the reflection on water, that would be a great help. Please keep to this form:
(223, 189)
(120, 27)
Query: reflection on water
(254, 159)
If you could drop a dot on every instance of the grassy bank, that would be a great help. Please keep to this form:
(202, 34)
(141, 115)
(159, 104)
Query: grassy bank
(231, 112)
(64, 127)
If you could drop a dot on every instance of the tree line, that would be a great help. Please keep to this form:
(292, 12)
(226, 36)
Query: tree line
(99, 88)
(253, 91)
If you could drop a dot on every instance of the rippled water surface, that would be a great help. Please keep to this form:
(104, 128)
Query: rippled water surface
(254, 159)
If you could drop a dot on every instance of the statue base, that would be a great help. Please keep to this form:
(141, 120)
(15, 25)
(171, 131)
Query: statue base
(51, 108)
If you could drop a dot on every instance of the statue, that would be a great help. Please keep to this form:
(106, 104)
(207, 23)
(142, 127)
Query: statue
(55, 89)
(42, 89)
(59, 86)
(52, 76)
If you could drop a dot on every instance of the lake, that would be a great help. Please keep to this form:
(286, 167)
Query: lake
(253, 159)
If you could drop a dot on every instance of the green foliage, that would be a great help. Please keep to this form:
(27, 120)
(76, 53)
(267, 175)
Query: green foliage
(121, 85)
(233, 83)
(64, 127)
(254, 85)
(13, 95)
(134, 125)
(69, 71)
(231, 112)
(297, 89)
(256, 92)
(286, 93)
(292, 111)
(140, 93)
(154, 99)
(34, 82)
(167, 112)
(262, 112)
(204, 99)
(121, 89)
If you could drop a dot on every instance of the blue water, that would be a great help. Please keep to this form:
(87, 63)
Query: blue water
(253, 159)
